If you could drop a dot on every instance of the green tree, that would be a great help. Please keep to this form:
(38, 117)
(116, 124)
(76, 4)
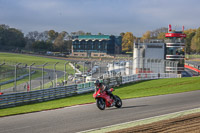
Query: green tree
(190, 33)
(59, 41)
(68, 46)
(100, 33)
(42, 46)
(122, 34)
(127, 42)
(88, 33)
(195, 43)
(52, 35)
(158, 32)
(146, 35)
(11, 38)
(161, 36)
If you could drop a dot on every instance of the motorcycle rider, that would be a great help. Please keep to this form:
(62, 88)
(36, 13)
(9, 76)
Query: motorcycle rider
(100, 85)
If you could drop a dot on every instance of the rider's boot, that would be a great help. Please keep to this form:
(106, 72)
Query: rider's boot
(113, 104)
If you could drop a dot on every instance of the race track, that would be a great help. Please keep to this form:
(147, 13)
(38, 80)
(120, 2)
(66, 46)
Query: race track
(85, 117)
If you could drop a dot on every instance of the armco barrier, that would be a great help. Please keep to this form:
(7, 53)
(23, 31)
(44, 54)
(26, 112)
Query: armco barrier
(20, 98)
(15, 99)
(146, 76)
(114, 81)
(86, 87)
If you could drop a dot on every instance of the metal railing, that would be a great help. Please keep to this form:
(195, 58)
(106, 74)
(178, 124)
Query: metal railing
(21, 98)
(112, 72)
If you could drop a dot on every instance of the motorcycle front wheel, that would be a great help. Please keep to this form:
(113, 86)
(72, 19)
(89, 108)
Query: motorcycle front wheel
(118, 101)
(101, 103)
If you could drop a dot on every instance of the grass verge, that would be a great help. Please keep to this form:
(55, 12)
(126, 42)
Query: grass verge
(133, 90)
(28, 59)
(26, 79)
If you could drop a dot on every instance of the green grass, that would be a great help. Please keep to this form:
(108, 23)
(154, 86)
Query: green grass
(26, 79)
(138, 89)
(7, 73)
(158, 87)
(192, 56)
(5, 68)
(47, 85)
(12, 59)
(28, 59)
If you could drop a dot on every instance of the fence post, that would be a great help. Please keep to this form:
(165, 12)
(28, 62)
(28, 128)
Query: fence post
(0, 79)
(30, 75)
(43, 74)
(55, 84)
(65, 73)
(15, 88)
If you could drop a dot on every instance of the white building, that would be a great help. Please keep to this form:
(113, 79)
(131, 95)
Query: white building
(148, 57)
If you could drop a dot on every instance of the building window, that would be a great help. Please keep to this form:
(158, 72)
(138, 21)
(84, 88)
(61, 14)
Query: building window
(175, 51)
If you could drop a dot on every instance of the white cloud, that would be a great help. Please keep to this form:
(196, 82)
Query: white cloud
(106, 16)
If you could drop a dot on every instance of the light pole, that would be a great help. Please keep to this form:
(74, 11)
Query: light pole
(15, 88)
(55, 84)
(43, 74)
(30, 75)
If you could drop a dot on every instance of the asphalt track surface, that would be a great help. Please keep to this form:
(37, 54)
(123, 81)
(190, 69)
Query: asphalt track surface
(85, 117)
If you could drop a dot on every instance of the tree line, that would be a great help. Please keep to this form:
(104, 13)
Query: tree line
(14, 39)
(128, 38)
(192, 41)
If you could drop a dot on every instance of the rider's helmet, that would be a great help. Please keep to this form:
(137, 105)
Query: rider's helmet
(98, 83)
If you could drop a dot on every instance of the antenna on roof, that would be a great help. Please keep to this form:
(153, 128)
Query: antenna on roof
(170, 28)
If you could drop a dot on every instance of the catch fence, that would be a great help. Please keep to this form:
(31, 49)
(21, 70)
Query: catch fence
(21, 98)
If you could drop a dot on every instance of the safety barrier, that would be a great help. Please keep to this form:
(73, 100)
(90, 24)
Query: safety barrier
(147, 76)
(192, 67)
(15, 99)
(86, 87)
(20, 98)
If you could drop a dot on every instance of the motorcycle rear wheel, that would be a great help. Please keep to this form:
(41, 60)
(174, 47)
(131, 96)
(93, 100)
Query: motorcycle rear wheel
(101, 103)
(118, 101)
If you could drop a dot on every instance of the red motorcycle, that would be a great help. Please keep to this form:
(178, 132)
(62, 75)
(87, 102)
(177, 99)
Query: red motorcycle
(103, 100)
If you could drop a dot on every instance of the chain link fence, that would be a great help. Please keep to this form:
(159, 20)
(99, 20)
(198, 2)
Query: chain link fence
(21, 77)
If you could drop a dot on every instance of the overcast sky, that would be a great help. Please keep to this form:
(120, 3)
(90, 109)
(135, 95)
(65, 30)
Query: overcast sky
(105, 16)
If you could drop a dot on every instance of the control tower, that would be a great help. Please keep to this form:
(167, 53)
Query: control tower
(175, 48)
